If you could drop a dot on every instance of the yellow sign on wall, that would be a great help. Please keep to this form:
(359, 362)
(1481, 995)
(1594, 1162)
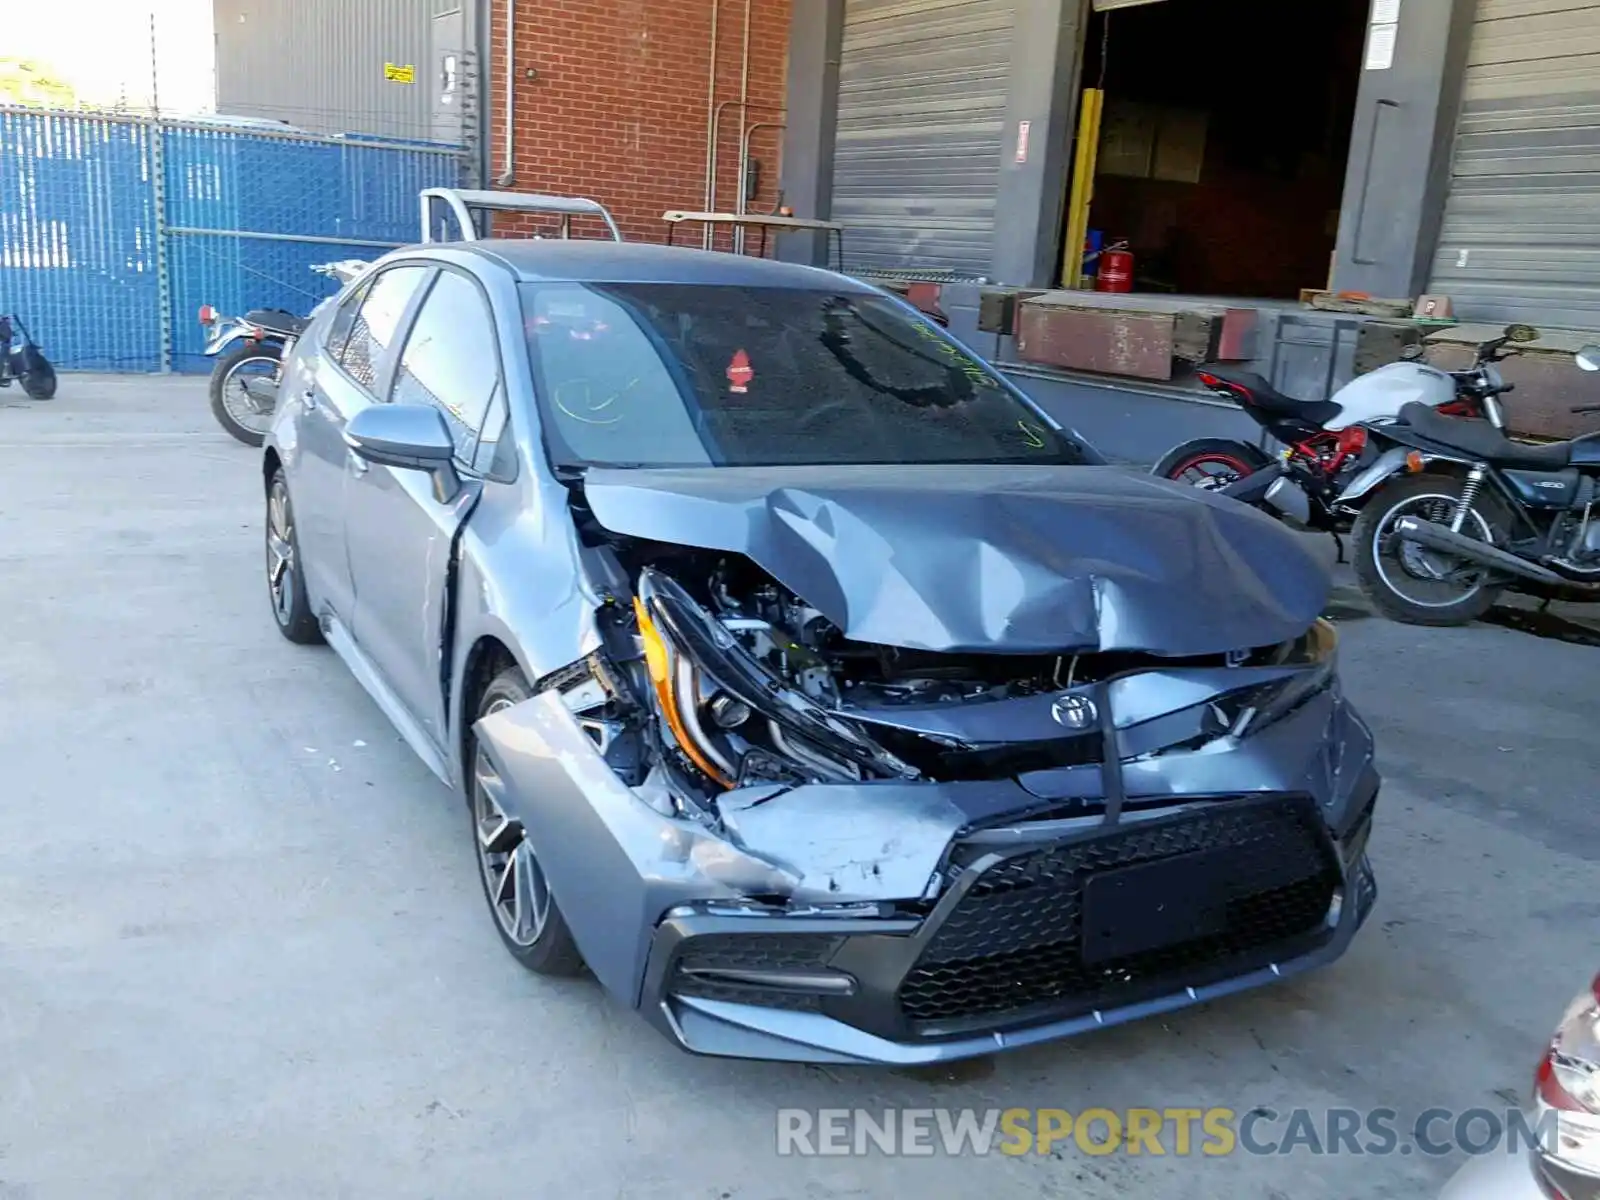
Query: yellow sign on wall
(395, 73)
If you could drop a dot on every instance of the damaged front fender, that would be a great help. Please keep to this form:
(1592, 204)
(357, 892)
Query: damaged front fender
(616, 865)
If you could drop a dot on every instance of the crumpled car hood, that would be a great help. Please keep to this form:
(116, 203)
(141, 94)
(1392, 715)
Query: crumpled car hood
(992, 559)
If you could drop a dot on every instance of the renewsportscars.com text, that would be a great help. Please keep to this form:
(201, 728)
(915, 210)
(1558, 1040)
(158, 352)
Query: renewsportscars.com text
(1158, 1132)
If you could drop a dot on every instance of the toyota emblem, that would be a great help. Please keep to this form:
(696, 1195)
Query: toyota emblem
(1074, 712)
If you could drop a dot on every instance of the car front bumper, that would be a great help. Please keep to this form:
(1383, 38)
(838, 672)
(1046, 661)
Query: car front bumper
(913, 922)
(863, 991)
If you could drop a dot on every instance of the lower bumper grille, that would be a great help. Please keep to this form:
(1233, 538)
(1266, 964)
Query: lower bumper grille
(751, 968)
(1017, 939)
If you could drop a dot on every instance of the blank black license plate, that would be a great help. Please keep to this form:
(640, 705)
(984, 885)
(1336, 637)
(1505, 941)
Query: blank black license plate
(1155, 905)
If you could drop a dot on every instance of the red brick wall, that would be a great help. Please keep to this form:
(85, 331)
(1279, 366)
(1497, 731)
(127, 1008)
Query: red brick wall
(617, 111)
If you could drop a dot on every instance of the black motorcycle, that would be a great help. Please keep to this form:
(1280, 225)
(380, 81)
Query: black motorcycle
(1455, 512)
(250, 353)
(22, 361)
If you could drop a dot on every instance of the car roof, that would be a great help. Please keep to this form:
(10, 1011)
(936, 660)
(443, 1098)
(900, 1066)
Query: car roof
(592, 260)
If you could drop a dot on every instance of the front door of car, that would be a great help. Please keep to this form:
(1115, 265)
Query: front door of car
(400, 533)
(347, 377)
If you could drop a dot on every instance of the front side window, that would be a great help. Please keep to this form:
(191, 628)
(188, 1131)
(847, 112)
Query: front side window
(452, 362)
(693, 375)
(378, 322)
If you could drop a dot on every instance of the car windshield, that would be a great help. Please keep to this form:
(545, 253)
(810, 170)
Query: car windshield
(688, 375)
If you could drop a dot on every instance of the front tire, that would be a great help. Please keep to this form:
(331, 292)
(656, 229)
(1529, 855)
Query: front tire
(524, 909)
(1211, 463)
(286, 585)
(38, 376)
(1409, 583)
(235, 410)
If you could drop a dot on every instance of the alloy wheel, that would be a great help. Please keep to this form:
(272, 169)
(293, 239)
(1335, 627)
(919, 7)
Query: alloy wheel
(518, 892)
(281, 565)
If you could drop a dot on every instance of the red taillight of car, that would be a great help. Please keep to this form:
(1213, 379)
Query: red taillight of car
(1568, 1082)
(1549, 1088)
(1210, 381)
(1568, 1077)
(208, 315)
(1352, 440)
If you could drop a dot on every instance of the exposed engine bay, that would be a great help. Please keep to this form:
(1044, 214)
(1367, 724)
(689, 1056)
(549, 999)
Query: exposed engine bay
(798, 644)
(738, 682)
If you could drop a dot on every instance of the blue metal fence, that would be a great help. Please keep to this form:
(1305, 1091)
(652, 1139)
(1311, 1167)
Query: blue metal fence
(115, 230)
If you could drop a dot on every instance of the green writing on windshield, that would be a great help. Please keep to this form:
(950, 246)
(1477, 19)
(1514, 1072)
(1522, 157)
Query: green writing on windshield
(952, 354)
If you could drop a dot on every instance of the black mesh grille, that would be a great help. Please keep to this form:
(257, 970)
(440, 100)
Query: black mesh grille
(747, 993)
(1015, 941)
(751, 952)
(758, 951)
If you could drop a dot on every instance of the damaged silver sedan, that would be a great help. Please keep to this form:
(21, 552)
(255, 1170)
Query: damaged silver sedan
(803, 681)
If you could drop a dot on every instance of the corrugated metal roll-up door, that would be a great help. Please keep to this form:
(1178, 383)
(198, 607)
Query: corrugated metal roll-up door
(1521, 234)
(922, 111)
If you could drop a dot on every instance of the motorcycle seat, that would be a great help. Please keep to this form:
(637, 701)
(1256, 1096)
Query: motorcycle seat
(1483, 441)
(1258, 392)
(277, 320)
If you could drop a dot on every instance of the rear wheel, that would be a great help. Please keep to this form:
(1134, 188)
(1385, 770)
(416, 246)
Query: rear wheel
(525, 912)
(1211, 463)
(244, 411)
(1414, 584)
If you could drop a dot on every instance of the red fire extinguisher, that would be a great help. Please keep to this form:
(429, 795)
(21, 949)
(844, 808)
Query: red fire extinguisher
(1116, 269)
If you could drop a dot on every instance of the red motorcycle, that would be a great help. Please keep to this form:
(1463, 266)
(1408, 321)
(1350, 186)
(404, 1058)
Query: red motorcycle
(1324, 440)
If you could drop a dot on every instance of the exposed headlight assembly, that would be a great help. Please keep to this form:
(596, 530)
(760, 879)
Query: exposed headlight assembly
(730, 716)
(1316, 655)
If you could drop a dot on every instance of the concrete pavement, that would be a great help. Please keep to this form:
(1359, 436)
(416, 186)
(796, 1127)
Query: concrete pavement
(243, 951)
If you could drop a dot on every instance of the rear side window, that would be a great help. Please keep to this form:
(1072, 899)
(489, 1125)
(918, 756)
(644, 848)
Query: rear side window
(451, 361)
(378, 322)
(345, 317)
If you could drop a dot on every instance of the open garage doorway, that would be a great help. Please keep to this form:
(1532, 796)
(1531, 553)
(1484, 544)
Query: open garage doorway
(1222, 140)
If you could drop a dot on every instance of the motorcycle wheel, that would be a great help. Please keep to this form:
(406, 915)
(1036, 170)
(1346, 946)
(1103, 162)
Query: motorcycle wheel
(235, 409)
(1410, 583)
(1211, 463)
(38, 377)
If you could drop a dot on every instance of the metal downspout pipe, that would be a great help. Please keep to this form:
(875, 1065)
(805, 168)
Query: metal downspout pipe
(510, 171)
(744, 115)
(711, 124)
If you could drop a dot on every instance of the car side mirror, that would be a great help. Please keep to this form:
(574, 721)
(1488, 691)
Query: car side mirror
(410, 437)
(1589, 358)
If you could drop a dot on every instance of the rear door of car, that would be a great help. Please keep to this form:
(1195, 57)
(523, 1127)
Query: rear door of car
(399, 532)
(349, 375)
